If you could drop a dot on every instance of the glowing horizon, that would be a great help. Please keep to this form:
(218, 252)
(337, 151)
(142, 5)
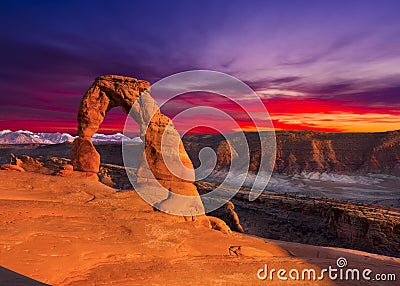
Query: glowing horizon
(322, 66)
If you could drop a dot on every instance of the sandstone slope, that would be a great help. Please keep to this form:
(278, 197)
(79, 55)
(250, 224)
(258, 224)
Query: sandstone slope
(70, 231)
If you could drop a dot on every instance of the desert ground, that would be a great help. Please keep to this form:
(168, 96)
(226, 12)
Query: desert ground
(71, 231)
(74, 231)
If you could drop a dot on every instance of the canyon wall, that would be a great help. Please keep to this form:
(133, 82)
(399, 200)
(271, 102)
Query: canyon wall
(309, 151)
(322, 222)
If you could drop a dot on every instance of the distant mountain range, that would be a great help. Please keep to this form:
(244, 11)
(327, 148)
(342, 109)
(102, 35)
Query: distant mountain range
(28, 137)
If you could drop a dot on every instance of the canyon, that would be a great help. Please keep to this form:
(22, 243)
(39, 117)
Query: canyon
(303, 216)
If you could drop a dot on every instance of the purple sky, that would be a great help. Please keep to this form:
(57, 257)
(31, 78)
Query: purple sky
(338, 59)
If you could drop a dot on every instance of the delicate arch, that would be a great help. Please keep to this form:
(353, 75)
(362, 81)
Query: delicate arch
(111, 91)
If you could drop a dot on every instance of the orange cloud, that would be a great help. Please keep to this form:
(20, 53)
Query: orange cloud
(341, 121)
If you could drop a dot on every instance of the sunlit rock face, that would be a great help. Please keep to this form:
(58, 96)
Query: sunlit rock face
(308, 151)
(163, 160)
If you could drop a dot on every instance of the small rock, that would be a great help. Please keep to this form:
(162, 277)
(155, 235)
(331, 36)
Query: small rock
(10, 167)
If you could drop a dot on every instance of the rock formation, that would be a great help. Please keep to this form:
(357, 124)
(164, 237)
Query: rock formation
(12, 168)
(229, 216)
(219, 224)
(163, 161)
(309, 151)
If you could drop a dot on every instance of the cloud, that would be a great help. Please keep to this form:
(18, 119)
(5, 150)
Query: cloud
(341, 121)
(302, 58)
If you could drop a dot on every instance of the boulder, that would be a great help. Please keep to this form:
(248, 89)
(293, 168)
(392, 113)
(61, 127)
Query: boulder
(12, 168)
(219, 224)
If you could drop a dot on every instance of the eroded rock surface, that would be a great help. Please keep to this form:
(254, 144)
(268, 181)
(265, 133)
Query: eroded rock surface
(309, 151)
(227, 214)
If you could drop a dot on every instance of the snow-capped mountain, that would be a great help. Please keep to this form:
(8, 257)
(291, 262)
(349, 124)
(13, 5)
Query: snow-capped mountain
(22, 137)
(114, 138)
(28, 137)
(57, 137)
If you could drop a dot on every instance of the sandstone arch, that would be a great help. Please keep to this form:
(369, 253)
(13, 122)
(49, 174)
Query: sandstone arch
(111, 91)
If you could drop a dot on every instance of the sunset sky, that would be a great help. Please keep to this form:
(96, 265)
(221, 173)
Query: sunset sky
(317, 65)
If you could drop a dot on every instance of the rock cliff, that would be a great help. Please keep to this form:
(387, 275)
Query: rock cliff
(309, 151)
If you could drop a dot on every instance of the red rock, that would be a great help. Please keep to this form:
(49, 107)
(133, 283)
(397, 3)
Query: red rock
(219, 224)
(67, 167)
(308, 151)
(164, 159)
(85, 158)
(11, 168)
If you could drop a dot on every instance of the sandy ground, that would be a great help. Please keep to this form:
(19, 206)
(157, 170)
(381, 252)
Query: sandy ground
(64, 231)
